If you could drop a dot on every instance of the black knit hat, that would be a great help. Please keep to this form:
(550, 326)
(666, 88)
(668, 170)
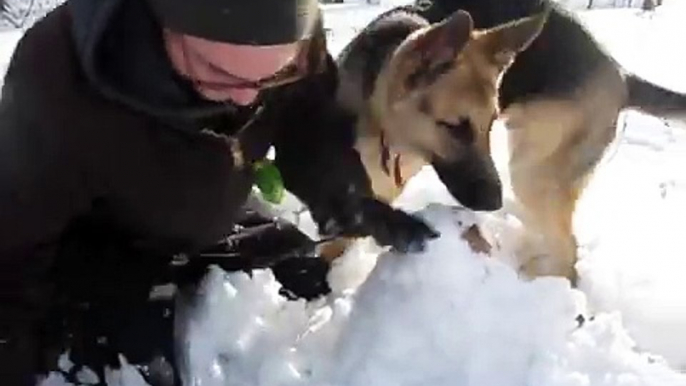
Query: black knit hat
(251, 22)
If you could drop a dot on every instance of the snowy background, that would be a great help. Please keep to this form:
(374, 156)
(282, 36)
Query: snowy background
(451, 316)
(23, 13)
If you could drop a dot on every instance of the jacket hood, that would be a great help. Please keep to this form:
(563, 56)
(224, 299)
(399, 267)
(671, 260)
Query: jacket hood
(121, 50)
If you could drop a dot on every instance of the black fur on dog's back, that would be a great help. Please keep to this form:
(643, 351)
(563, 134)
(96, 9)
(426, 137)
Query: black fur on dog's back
(561, 58)
(361, 61)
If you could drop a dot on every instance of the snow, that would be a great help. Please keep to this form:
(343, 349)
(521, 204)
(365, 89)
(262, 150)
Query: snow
(595, 4)
(630, 219)
(8, 40)
(444, 317)
(632, 246)
(453, 316)
(23, 13)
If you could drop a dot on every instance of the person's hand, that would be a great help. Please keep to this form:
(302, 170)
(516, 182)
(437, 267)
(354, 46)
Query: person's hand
(363, 216)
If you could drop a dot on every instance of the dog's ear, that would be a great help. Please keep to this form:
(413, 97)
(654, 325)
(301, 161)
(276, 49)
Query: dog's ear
(442, 42)
(504, 42)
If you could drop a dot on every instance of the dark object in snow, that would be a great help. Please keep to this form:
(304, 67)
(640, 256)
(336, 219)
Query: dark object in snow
(580, 320)
(123, 303)
(650, 5)
(261, 243)
(302, 278)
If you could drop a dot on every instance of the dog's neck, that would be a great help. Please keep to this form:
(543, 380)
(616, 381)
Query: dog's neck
(376, 126)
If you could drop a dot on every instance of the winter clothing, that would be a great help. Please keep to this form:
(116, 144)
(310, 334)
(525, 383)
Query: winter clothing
(259, 22)
(105, 151)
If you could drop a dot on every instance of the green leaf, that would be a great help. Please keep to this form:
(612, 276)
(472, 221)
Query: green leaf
(269, 182)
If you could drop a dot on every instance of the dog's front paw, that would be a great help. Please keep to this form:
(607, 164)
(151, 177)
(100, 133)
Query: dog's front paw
(396, 228)
(362, 216)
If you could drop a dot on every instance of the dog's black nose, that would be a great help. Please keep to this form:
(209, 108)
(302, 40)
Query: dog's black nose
(474, 184)
(481, 197)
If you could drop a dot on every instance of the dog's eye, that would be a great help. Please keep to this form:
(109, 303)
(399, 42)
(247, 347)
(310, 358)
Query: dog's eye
(462, 131)
(452, 126)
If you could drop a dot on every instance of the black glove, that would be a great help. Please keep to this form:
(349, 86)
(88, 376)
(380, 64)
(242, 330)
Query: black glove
(352, 216)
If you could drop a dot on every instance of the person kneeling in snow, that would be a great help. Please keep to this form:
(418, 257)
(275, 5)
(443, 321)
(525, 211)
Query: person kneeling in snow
(129, 131)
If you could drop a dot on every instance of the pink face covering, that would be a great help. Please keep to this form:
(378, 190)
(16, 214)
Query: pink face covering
(224, 71)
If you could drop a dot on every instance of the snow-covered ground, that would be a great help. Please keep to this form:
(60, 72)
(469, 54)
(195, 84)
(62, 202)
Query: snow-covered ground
(452, 316)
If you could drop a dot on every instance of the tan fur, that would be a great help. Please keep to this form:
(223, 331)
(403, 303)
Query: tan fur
(331, 250)
(469, 91)
(384, 185)
(555, 143)
(554, 147)
(406, 116)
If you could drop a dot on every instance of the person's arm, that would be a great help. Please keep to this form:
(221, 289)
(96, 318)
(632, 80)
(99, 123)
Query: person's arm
(316, 156)
(41, 189)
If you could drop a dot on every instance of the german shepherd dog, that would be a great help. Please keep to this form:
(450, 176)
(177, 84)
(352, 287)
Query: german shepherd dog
(429, 92)
(560, 100)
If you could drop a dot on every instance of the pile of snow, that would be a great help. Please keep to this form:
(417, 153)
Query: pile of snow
(448, 316)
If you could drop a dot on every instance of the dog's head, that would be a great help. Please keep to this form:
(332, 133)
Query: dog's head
(438, 97)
